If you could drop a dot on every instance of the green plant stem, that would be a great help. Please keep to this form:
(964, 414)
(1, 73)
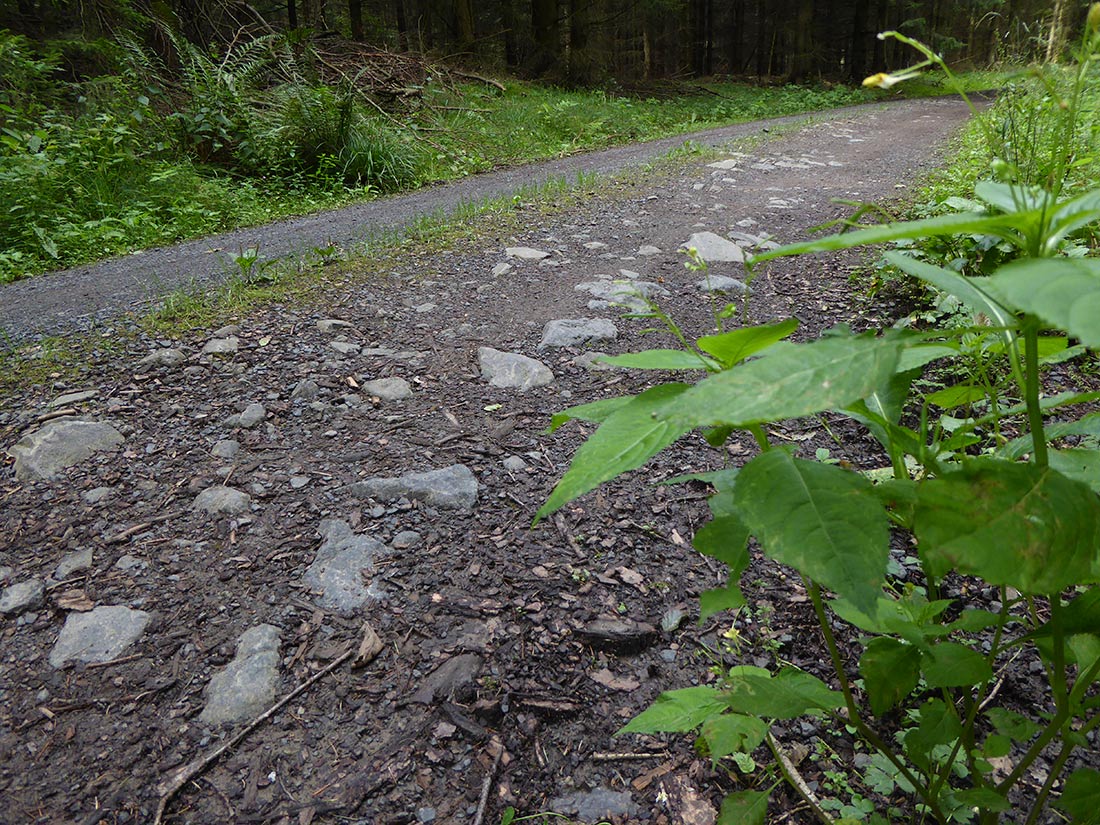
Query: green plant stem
(1032, 387)
(854, 717)
(761, 437)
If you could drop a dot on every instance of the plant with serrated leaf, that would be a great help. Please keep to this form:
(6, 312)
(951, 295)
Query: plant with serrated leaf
(997, 495)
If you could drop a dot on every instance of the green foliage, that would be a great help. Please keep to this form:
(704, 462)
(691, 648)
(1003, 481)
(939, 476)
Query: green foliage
(1020, 515)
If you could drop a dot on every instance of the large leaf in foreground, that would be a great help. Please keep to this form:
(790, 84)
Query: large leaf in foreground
(744, 808)
(627, 439)
(661, 359)
(787, 695)
(1062, 292)
(735, 346)
(678, 711)
(794, 381)
(822, 520)
(1025, 526)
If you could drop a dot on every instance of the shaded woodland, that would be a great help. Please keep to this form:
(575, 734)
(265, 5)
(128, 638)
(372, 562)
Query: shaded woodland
(596, 42)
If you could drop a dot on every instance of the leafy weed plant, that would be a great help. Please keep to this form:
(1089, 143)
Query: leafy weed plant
(997, 496)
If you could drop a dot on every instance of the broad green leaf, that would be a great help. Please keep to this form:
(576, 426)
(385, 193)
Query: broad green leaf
(1062, 292)
(974, 621)
(788, 694)
(890, 670)
(956, 396)
(971, 291)
(822, 520)
(1081, 797)
(1081, 465)
(744, 808)
(982, 798)
(627, 439)
(1051, 345)
(1070, 216)
(949, 664)
(1086, 425)
(794, 381)
(965, 223)
(1017, 524)
(1010, 197)
(917, 356)
(1012, 724)
(996, 745)
(735, 346)
(678, 711)
(596, 412)
(718, 599)
(661, 359)
(732, 733)
(939, 725)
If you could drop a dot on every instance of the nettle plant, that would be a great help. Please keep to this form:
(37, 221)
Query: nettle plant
(996, 496)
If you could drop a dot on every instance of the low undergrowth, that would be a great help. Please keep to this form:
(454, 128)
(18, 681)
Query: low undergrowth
(990, 479)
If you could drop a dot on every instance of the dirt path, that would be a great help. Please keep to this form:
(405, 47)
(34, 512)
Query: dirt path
(86, 296)
(250, 497)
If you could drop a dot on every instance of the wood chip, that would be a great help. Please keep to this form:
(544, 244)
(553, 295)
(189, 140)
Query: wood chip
(608, 679)
(75, 600)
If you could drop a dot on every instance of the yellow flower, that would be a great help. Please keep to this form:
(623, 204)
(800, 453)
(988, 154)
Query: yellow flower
(883, 80)
(1093, 19)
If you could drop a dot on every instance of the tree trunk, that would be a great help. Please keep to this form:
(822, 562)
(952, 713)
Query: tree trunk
(761, 38)
(508, 33)
(355, 18)
(581, 68)
(546, 34)
(736, 38)
(802, 42)
(857, 53)
(292, 14)
(464, 23)
(402, 25)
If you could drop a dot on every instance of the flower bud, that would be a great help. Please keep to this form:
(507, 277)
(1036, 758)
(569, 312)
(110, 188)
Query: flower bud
(1092, 22)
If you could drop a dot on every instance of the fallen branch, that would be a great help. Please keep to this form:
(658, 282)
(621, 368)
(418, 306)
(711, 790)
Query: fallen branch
(490, 778)
(485, 80)
(791, 774)
(170, 786)
(137, 528)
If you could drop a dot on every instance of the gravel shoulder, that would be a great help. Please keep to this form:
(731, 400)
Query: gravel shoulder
(193, 528)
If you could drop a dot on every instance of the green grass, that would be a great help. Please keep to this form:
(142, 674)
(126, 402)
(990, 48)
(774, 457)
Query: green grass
(81, 187)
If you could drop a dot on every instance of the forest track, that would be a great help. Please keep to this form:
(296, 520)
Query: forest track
(89, 296)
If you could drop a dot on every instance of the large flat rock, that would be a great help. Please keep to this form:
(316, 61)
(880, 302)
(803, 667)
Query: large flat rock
(337, 572)
(99, 635)
(61, 444)
(246, 686)
(510, 370)
(449, 488)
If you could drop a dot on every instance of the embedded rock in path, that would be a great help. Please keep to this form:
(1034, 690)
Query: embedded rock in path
(628, 294)
(451, 488)
(306, 390)
(21, 597)
(510, 369)
(61, 444)
(447, 679)
(388, 389)
(227, 448)
(328, 325)
(221, 346)
(99, 635)
(247, 685)
(526, 253)
(338, 570)
(720, 284)
(170, 357)
(73, 563)
(596, 805)
(220, 500)
(648, 250)
(71, 398)
(253, 414)
(577, 331)
(714, 248)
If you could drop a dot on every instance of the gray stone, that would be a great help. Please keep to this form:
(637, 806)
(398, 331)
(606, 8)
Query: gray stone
(514, 464)
(253, 414)
(405, 540)
(226, 331)
(501, 269)
(220, 500)
(593, 362)
(128, 562)
(221, 346)
(649, 250)
(512, 370)
(574, 332)
(595, 805)
(594, 245)
(632, 295)
(526, 253)
(421, 309)
(455, 673)
(305, 390)
(388, 389)
(298, 482)
(170, 357)
(720, 284)
(450, 488)
(246, 686)
(227, 448)
(73, 563)
(629, 274)
(60, 444)
(332, 324)
(714, 248)
(97, 494)
(73, 398)
(337, 570)
(100, 635)
(425, 815)
(345, 347)
(21, 597)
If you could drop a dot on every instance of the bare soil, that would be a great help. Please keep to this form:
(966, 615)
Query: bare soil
(491, 679)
